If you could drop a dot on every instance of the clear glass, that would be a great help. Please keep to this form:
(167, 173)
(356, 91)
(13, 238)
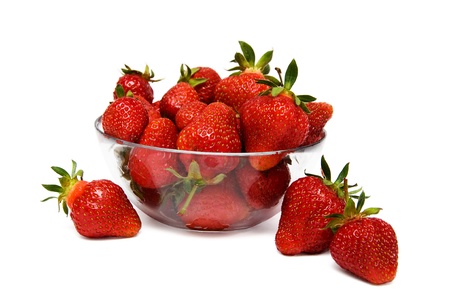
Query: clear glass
(224, 191)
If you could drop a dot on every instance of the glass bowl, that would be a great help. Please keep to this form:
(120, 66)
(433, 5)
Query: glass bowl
(205, 191)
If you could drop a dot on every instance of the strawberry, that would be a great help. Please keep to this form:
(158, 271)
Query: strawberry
(210, 204)
(99, 208)
(263, 189)
(188, 112)
(205, 80)
(319, 114)
(153, 111)
(160, 132)
(214, 130)
(178, 95)
(274, 121)
(125, 118)
(305, 204)
(365, 246)
(147, 166)
(242, 85)
(136, 82)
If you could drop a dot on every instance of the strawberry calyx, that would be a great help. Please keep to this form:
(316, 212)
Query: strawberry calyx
(70, 186)
(352, 211)
(278, 87)
(147, 74)
(338, 185)
(186, 76)
(190, 184)
(247, 61)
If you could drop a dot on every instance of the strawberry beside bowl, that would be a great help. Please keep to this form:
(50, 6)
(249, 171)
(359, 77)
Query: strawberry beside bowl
(205, 191)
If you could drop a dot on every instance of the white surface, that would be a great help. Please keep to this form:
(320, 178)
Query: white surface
(384, 65)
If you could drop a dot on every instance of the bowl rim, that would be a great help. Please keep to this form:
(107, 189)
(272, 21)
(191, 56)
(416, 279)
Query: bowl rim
(119, 141)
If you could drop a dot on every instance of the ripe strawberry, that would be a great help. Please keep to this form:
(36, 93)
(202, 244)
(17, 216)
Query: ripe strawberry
(365, 246)
(242, 85)
(214, 205)
(178, 95)
(160, 132)
(305, 204)
(125, 118)
(153, 111)
(204, 80)
(319, 114)
(148, 167)
(98, 208)
(263, 189)
(214, 130)
(188, 112)
(136, 82)
(274, 121)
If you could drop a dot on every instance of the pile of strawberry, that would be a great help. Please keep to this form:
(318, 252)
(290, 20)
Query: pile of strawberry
(247, 111)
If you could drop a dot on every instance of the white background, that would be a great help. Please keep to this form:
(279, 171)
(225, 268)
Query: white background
(383, 65)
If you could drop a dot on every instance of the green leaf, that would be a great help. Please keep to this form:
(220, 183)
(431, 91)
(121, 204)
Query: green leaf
(371, 211)
(306, 98)
(74, 168)
(343, 174)
(265, 70)
(248, 52)
(361, 201)
(304, 107)
(50, 197)
(53, 188)
(277, 90)
(291, 75)
(242, 61)
(194, 171)
(120, 92)
(325, 168)
(60, 171)
(349, 210)
(273, 80)
(266, 82)
(216, 180)
(263, 62)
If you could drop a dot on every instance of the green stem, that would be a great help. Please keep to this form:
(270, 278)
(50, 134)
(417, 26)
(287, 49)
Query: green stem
(188, 199)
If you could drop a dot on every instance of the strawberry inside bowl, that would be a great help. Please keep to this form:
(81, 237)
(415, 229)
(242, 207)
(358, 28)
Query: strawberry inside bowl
(206, 191)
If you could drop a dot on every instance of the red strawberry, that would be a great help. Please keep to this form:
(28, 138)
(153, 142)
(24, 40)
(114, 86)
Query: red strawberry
(178, 95)
(136, 82)
(160, 132)
(242, 85)
(148, 167)
(274, 121)
(125, 118)
(365, 246)
(153, 111)
(214, 130)
(319, 114)
(263, 189)
(98, 208)
(215, 206)
(204, 80)
(188, 112)
(306, 203)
